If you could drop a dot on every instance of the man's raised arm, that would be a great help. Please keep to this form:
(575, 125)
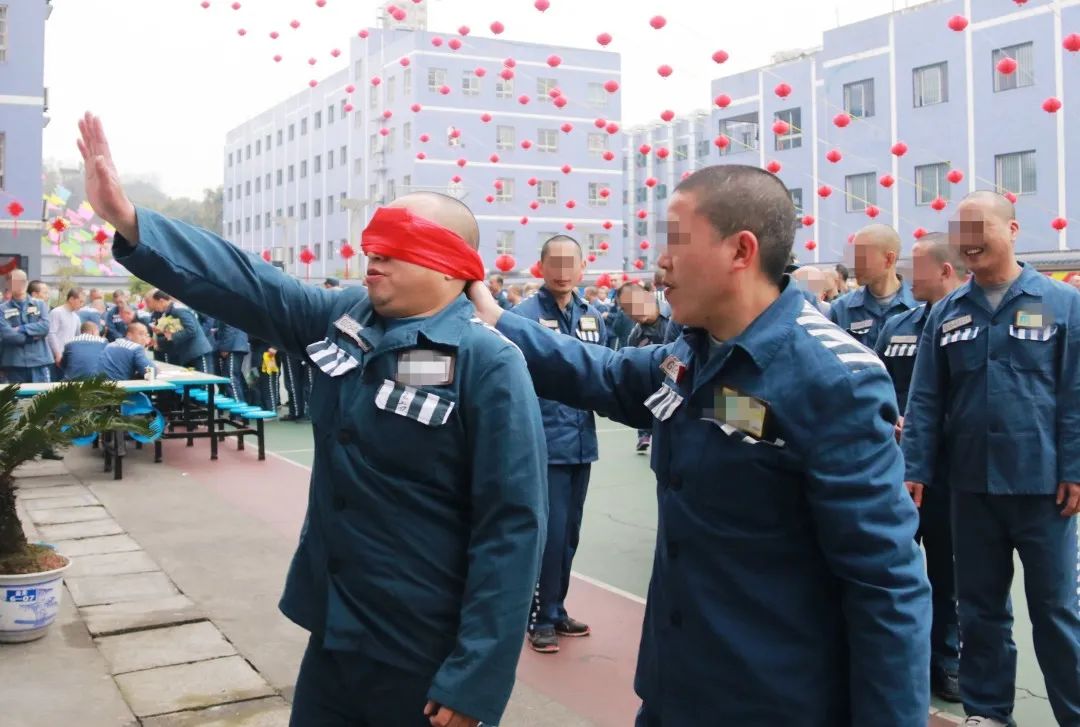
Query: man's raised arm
(198, 267)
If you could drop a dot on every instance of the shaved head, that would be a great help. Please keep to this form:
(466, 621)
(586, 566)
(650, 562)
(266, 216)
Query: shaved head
(937, 245)
(451, 213)
(18, 274)
(883, 237)
(992, 203)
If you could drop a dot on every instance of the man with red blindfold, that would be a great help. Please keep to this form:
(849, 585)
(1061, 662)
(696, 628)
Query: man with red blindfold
(421, 545)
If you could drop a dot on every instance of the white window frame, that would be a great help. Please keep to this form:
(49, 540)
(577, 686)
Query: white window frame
(543, 88)
(547, 140)
(436, 79)
(1020, 157)
(470, 83)
(547, 191)
(504, 87)
(502, 143)
(869, 106)
(597, 143)
(506, 194)
(3, 35)
(597, 95)
(505, 242)
(931, 182)
(595, 200)
(1023, 76)
(792, 139)
(920, 98)
(857, 200)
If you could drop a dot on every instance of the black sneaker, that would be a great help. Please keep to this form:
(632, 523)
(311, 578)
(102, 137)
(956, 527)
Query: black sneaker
(572, 628)
(946, 687)
(643, 443)
(544, 641)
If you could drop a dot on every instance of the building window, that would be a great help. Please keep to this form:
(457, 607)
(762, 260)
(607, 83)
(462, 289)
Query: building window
(641, 227)
(390, 84)
(1015, 172)
(358, 167)
(406, 135)
(373, 98)
(547, 140)
(239, 191)
(436, 78)
(931, 84)
(792, 139)
(543, 89)
(703, 148)
(639, 160)
(228, 229)
(861, 191)
(318, 164)
(547, 191)
(1024, 75)
(597, 95)
(292, 172)
(593, 240)
(598, 144)
(682, 152)
(267, 144)
(230, 194)
(258, 184)
(230, 159)
(258, 147)
(279, 177)
(930, 183)
(303, 169)
(303, 126)
(470, 83)
(329, 161)
(406, 184)
(661, 191)
(279, 137)
(330, 114)
(330, 205)
(3, 34)
(859, 98)
(342, 156)
(742, 132)
(316, 251)
(292, 256)
(266, 186)
(247, 224)
(292, 211)
(316, 207)
(318, 120)
(248, 155)
(391, 191)
(505, 192)
(292, 132)
(796, 199)
(344, 102)
(504, 87)
(266, 220)
(504, 242)
(406, 82)
(595, 200)
(303, 210)
(641, 194)
(390, 140)
(258, 223)
(504, 137)
(247, 188)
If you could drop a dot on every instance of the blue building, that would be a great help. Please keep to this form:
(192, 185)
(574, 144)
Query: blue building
(409, 110)
(905, 77)
(23, 103)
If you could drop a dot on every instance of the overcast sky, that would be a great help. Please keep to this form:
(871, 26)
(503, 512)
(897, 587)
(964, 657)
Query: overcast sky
(170, 78)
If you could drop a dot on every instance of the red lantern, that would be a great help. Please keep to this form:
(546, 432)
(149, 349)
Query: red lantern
(101, 237)
(485, 117)
(494, 158)
(872, 211)
(662, 152)
(773, 167)
(667, 115)
(612, 128)
(480, 72)
(560, 102)
(720, 56)
(462, 162)
(608, 155)
(1010, 196)
(842, 120)
(886, 181)
(603, 246)
(534, 205)
(824, 191)
(611, 86)
(958, 23)
(505, 263)
(600, 123)
(920, 233)
(554, 61)
(955, 176)
(307, 257)
(783, 90)
(810, 245)
(567, 128)
(463, 30)
(526, 144)
(1059, 223)
(899, 149)
(603, 281)
(266, 255)
(938, 204)
(723, 100)
(605, 192)
(639, 264)
(603, 38)
(535, 270)
(490, 198)
(644, 245)
(59, 225)
(665, 71)
(781, 127)
(15, 210)
(570, 226)
(834, 156)
(541, 5)
(1051, 105)
(566, 169)
(658, 22)
(497, 28)
(722, 141)
(642, 214)
(651, 182)
(1007, 66)
(524, 220)
(1071, 42)
(808, 221)
(532, 181)
(607, 226)
(416, 108)
(570, 204)
(348, 252)
(591, 257)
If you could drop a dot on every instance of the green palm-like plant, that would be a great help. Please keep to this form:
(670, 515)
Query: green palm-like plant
(50, 420)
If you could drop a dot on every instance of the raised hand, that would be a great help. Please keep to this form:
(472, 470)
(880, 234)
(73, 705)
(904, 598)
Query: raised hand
(487, 309)
(103, 188)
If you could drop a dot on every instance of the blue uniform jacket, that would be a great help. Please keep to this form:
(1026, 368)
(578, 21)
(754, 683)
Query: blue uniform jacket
(896, 345)
(90, 314)
(82, 357)
(124, 360)
(230, 339)
(427, 510)
(655, 332)
(25, 324)
(859, 314)
(787, 587)
(114, 325)
(188, 343)
(999, 391)
(570, 432)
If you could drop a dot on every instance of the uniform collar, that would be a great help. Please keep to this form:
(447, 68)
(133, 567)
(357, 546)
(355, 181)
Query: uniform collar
(861, 296)
(444, 328)
(1030, 281)
(548, 300)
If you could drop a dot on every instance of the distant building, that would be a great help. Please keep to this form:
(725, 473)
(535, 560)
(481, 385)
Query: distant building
(23, 105)
(309, 172)
(903, 77)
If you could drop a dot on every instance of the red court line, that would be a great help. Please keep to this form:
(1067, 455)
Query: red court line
(591, 676)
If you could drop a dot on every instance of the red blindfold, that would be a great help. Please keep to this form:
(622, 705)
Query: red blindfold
(397, 233)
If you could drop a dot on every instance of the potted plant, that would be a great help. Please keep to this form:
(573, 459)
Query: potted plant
(31, 574)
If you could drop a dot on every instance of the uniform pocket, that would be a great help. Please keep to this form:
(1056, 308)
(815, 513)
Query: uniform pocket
(1032, 349)
(406, 401)
(963, 348)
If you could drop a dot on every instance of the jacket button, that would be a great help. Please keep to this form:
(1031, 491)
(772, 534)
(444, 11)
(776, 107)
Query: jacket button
(344, 436)
(675, 482)
(339, 503)
(672, 549)
(333, 565)
(676, 619)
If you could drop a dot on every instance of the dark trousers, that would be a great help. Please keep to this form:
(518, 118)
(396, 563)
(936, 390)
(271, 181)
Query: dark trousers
(269, 391)
(935, 534)
(203, 364)
(347, 689)
(231, 366)
(986, 530)
(28, 374)
(298, 383)
(567, 487)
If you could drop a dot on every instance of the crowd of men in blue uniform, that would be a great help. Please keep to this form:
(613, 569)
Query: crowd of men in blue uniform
(787, 585)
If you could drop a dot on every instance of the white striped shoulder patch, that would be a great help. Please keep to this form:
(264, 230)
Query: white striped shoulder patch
(664, 402)
(851, 353)
(496, 331)
(407, 401)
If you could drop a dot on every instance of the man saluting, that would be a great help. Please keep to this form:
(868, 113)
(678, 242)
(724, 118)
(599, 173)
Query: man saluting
(421, 545)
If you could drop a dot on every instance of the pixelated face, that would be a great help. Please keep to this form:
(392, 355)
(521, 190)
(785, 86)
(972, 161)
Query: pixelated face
(984, 238)
(19, 282)
(639, 304)
(562, 267)
(871, 261)
(127, 315)
(43, 293)
(76, 303)
(694, 269)
(139, 335)
(494, 286)
(603, 292)
(1075, 282)
(816, 281)
(926, 277)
